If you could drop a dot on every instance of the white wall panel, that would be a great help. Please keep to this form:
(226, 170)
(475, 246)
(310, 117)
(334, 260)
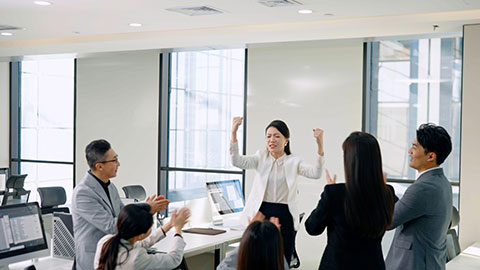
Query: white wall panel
(117, 100)
(307, 85)
(4, 113)
(469, 174)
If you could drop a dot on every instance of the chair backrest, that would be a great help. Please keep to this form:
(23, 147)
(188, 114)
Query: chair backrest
(453, 245)
(16, 181)
(52, 196)
(14, 190)
(135, 192)
(455, 217)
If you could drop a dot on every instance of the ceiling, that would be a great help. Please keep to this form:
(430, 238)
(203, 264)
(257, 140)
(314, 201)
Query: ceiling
(87, 26)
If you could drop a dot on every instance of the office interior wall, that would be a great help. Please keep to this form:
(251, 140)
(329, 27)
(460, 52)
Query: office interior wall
(4, 113)
(117, 100)
(469, 175)
(308, 85)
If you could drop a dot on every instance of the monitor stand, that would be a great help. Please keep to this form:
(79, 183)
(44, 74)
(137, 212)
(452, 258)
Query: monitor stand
(217, 221)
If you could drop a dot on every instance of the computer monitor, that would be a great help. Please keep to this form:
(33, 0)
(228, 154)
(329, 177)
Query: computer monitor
(22, 235)
(226, 196)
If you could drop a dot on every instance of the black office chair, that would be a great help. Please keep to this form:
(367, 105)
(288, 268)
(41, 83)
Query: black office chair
(136, 192)
(51, 198)
(453, 245)
(295, 261)
(14, 190)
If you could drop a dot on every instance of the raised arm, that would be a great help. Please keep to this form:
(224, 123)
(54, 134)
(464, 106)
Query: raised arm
(314, 171)
(319, 218)
(239, 161)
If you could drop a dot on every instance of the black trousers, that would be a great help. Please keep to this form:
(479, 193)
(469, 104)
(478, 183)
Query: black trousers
(280, 210)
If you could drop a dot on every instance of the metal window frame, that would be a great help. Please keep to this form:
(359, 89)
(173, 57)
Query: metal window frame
(15, 122)
(370, 112)
(164, 127)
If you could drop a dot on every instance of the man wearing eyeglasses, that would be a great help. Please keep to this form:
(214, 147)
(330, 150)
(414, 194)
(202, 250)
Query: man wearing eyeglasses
(96, 202)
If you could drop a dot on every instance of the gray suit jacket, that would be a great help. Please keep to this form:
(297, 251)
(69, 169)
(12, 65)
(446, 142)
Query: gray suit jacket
(93, 218)
(422, 218)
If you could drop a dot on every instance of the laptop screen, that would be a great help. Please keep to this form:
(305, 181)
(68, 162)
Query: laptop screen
(227, 196)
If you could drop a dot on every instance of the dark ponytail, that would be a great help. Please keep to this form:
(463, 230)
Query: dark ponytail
(282, 128)
(133, 220)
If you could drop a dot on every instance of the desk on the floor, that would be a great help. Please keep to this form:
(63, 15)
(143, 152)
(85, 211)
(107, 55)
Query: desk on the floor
(469, 259)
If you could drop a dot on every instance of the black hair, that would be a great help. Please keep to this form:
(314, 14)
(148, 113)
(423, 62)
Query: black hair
(261, 247)
(95, 152)
(435, 139)
(283, 128)
(133, 220)
(368, 201)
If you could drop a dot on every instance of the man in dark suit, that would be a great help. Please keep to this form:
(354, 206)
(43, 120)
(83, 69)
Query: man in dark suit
(96, 202)
(422, 216)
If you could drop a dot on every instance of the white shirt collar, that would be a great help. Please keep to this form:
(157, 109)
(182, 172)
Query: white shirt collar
(431, 169)
(280, 159)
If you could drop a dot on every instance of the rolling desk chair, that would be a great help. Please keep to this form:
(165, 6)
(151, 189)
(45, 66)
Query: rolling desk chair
(14, 189)
(136, 192)
(51, 198)
(453, 245)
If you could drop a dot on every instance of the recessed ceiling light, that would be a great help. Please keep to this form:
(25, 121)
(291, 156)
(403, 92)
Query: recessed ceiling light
(328, 14)
(42, 3)
(6, 34)
(305, 11)
(135, 25)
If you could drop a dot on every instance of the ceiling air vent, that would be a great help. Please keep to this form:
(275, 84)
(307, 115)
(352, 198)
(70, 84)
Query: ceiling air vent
(279, 3)
(4, 27)
(196, 11)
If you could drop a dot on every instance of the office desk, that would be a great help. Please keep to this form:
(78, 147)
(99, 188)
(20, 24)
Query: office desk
(469, 259)
(200, 243)
(47, 263)
(195, 244)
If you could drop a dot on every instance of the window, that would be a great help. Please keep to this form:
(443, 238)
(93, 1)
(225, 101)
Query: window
(43, 127)
(410, 82)
(206, 90)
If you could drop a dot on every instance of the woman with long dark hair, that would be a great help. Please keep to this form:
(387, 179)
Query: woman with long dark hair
(357, 213)
(274, 191)
(128, 248)
(261, 247)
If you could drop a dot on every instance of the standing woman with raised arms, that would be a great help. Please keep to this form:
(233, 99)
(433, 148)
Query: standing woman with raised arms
(274, 191)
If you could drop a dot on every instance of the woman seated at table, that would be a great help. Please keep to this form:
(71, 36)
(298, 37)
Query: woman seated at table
(128, 248)
(357, 213)
(261, 247)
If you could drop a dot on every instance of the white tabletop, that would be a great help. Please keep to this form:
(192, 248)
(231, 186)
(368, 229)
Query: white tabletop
(199, 243)
(46, 263)
(469, 259)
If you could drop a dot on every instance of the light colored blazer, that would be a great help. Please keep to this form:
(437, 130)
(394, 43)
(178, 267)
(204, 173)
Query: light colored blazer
(422, 218)
(137, 257)
(93, 217)
(293, 165)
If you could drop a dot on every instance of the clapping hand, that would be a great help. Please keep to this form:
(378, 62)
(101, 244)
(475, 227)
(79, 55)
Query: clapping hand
(157, 203)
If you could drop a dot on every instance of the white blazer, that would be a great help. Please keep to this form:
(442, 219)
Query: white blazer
(293, 165)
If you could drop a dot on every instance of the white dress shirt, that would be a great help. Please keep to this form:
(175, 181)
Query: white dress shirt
(277, 188)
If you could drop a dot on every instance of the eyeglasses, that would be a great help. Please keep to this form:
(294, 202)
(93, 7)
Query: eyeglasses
(112, 160)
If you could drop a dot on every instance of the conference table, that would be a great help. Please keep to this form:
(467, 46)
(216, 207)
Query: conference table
(201, 243)
(195, 244)
(469, 259)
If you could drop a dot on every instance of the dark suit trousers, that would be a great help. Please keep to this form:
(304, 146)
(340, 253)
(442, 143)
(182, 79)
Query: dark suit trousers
(281, 211)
